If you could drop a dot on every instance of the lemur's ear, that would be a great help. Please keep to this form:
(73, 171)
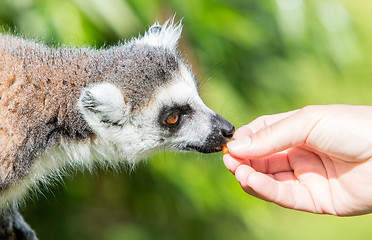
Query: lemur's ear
(166, 35)
(102, 103)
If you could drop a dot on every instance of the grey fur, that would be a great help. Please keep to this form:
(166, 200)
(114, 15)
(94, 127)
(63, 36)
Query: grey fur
(140, 70)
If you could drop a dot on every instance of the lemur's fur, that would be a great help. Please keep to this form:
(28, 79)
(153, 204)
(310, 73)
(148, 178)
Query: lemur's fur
(72, 106)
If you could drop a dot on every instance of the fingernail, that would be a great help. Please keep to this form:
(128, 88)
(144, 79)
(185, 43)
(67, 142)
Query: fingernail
(239, 145)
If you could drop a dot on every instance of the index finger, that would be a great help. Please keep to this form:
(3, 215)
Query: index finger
(288, 132)
(259, 123)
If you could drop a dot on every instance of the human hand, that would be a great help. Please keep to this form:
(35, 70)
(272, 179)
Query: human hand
(316, 159)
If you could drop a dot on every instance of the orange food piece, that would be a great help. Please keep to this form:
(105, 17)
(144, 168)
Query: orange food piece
(225, 150)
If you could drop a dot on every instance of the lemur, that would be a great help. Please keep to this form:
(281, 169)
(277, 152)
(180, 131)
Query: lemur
(73, 107)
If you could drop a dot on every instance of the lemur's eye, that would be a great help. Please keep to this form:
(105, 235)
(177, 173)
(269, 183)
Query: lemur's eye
(173, 118)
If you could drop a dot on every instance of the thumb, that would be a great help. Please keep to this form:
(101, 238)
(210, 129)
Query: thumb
(286, 133)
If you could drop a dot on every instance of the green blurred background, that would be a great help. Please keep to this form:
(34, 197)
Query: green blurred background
(252, 57)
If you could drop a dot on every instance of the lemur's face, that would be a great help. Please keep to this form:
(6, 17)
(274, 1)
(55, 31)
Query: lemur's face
(152, 102)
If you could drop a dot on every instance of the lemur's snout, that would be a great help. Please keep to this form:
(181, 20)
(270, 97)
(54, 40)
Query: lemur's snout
(228, 130)
(224, 127)
(221, 132)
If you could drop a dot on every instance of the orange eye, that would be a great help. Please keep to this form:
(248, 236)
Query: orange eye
(173, 118)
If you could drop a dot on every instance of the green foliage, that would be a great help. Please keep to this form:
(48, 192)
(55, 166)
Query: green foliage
(252, 57)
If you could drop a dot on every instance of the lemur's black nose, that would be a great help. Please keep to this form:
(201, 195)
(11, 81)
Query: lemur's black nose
(221, 132)
(225, 128)
(229, 131)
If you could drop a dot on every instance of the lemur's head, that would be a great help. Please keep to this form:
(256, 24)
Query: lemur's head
(148, 100)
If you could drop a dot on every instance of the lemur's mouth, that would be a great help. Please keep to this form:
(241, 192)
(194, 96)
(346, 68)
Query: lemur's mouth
(200, 149)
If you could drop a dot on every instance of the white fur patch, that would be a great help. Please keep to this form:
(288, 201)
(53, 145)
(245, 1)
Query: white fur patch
(181, 91)
(184, 91)
(102, 102)
(166, 35)
(57, 161)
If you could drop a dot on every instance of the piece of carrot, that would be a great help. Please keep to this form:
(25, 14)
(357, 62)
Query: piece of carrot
(225, 150)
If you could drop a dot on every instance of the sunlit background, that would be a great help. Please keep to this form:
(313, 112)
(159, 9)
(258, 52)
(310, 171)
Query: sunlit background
(252, 57)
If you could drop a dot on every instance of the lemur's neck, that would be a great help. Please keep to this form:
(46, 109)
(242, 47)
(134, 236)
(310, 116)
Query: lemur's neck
(39, 90)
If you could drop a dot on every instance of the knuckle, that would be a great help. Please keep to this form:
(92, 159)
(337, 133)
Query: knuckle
(262, 120)
(309, 108)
